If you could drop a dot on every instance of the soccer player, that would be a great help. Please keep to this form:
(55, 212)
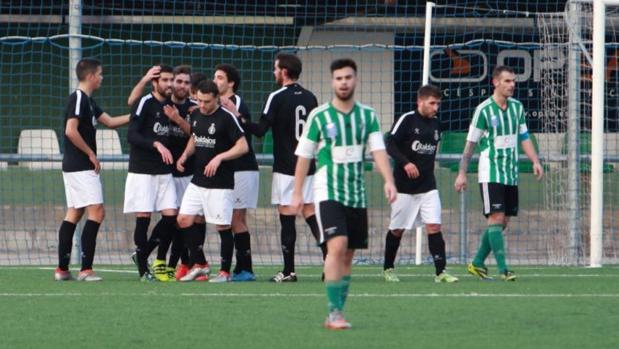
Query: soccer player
(217, 138)
(286, 112)
(246, 184)
(149, 186)
(80, 170)
(412, 143)
(498, 125)
(337, 134)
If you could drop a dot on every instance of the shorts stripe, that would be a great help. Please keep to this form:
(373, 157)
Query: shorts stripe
(486, 197)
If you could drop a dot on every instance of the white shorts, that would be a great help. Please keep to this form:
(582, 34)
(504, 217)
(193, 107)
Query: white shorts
(283, 185)
(214, 204)
(246, 188)
(180, 184)
(149, 193)
(410, 211)
(82, 188)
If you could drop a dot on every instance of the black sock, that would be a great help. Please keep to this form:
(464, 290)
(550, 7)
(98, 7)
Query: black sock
(288, 238)
(178, 248)
(140, 239)
(392, 243)
(313, 224)
(201, 235)
(89, 243)
(65, 244)
(226, 249)
(192, 239)
(165, 239)
(436, 245)
(155, 237)
(242, 244)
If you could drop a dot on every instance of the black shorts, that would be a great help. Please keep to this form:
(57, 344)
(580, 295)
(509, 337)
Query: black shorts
(496, 197)
(335, 219)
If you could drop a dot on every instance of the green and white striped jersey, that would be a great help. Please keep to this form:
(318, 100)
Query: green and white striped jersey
(498, 132)
(338, 141)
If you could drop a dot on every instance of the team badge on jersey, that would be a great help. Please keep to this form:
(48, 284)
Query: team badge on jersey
(436, 136)
(331, 130)
(94, 121)
(211, 129)
(494, 121)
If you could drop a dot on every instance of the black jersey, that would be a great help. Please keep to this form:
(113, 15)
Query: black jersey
(247, 162)
(286, 111)
(414, 138)
(214, 134)
(148, 124)
(178, 138)
(84, 108)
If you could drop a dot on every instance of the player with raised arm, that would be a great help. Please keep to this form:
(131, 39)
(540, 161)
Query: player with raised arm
(498, 126)
(337, 134)
(150, 187)
(80, 170)
(412, 143)
(217, 138)
(285, 112)
(246, 184)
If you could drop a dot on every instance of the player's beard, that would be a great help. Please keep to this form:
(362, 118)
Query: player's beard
(180, 94)
(166, 92)
(345, 96)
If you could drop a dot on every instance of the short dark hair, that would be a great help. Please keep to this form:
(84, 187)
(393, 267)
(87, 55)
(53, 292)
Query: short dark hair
(86, 66)
(291, 63)
(231, 73)
(164, 68)
(343, 63)
(207, 86)
(196, 79)
(426, 91)
(182, 69)
(499, 69)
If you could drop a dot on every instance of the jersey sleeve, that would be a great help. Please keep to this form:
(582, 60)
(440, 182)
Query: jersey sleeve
(308, 144)
(523, 131)
(478, 126)
(270, 108)
(399, 127)
(96, 109)
(74, 105)
(375, 137)
(235, 131)
(134, 134)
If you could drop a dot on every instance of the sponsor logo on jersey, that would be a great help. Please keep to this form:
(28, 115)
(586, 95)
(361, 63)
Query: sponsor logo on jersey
(331, 130)
(161, 130)
(422, 148)
(211, 129)
(205, 142)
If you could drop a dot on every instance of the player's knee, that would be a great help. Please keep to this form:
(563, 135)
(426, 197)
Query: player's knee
(96, 213)
(184, 221)
(220, 227)
(308, 210)
(397, 232)
(433, 228)
(73, 215)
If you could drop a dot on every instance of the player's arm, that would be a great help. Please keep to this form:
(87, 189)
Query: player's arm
(266, 120)
(172, 113)
(393, 149)
(476, 130)
(190, 148)
(134, 136)
(74, 136)
(528, 148)
(239, 148)
(305, 152)
(114, 121)
(138, 89)
(376, 145)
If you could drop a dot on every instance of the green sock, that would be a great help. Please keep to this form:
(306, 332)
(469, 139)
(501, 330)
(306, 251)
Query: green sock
(345, 286)
(334, 295)
(483, 251)
(495, 235)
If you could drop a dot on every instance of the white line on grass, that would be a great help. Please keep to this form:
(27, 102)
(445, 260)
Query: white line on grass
(316, 295)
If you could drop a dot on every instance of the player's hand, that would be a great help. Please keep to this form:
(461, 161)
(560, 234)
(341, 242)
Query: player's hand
(227, 103)
(171, 112)
(297, 202)
(411, 170)
(460, 184)
(180, 163)
(212, 166)
(93, 159)
(166, 156)
(538, 170)
(390, 192)
(152, 73)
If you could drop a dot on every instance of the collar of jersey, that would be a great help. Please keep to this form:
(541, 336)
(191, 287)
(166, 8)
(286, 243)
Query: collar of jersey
(341, 112)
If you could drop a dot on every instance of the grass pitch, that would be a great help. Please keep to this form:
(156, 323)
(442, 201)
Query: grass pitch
(546, 308)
